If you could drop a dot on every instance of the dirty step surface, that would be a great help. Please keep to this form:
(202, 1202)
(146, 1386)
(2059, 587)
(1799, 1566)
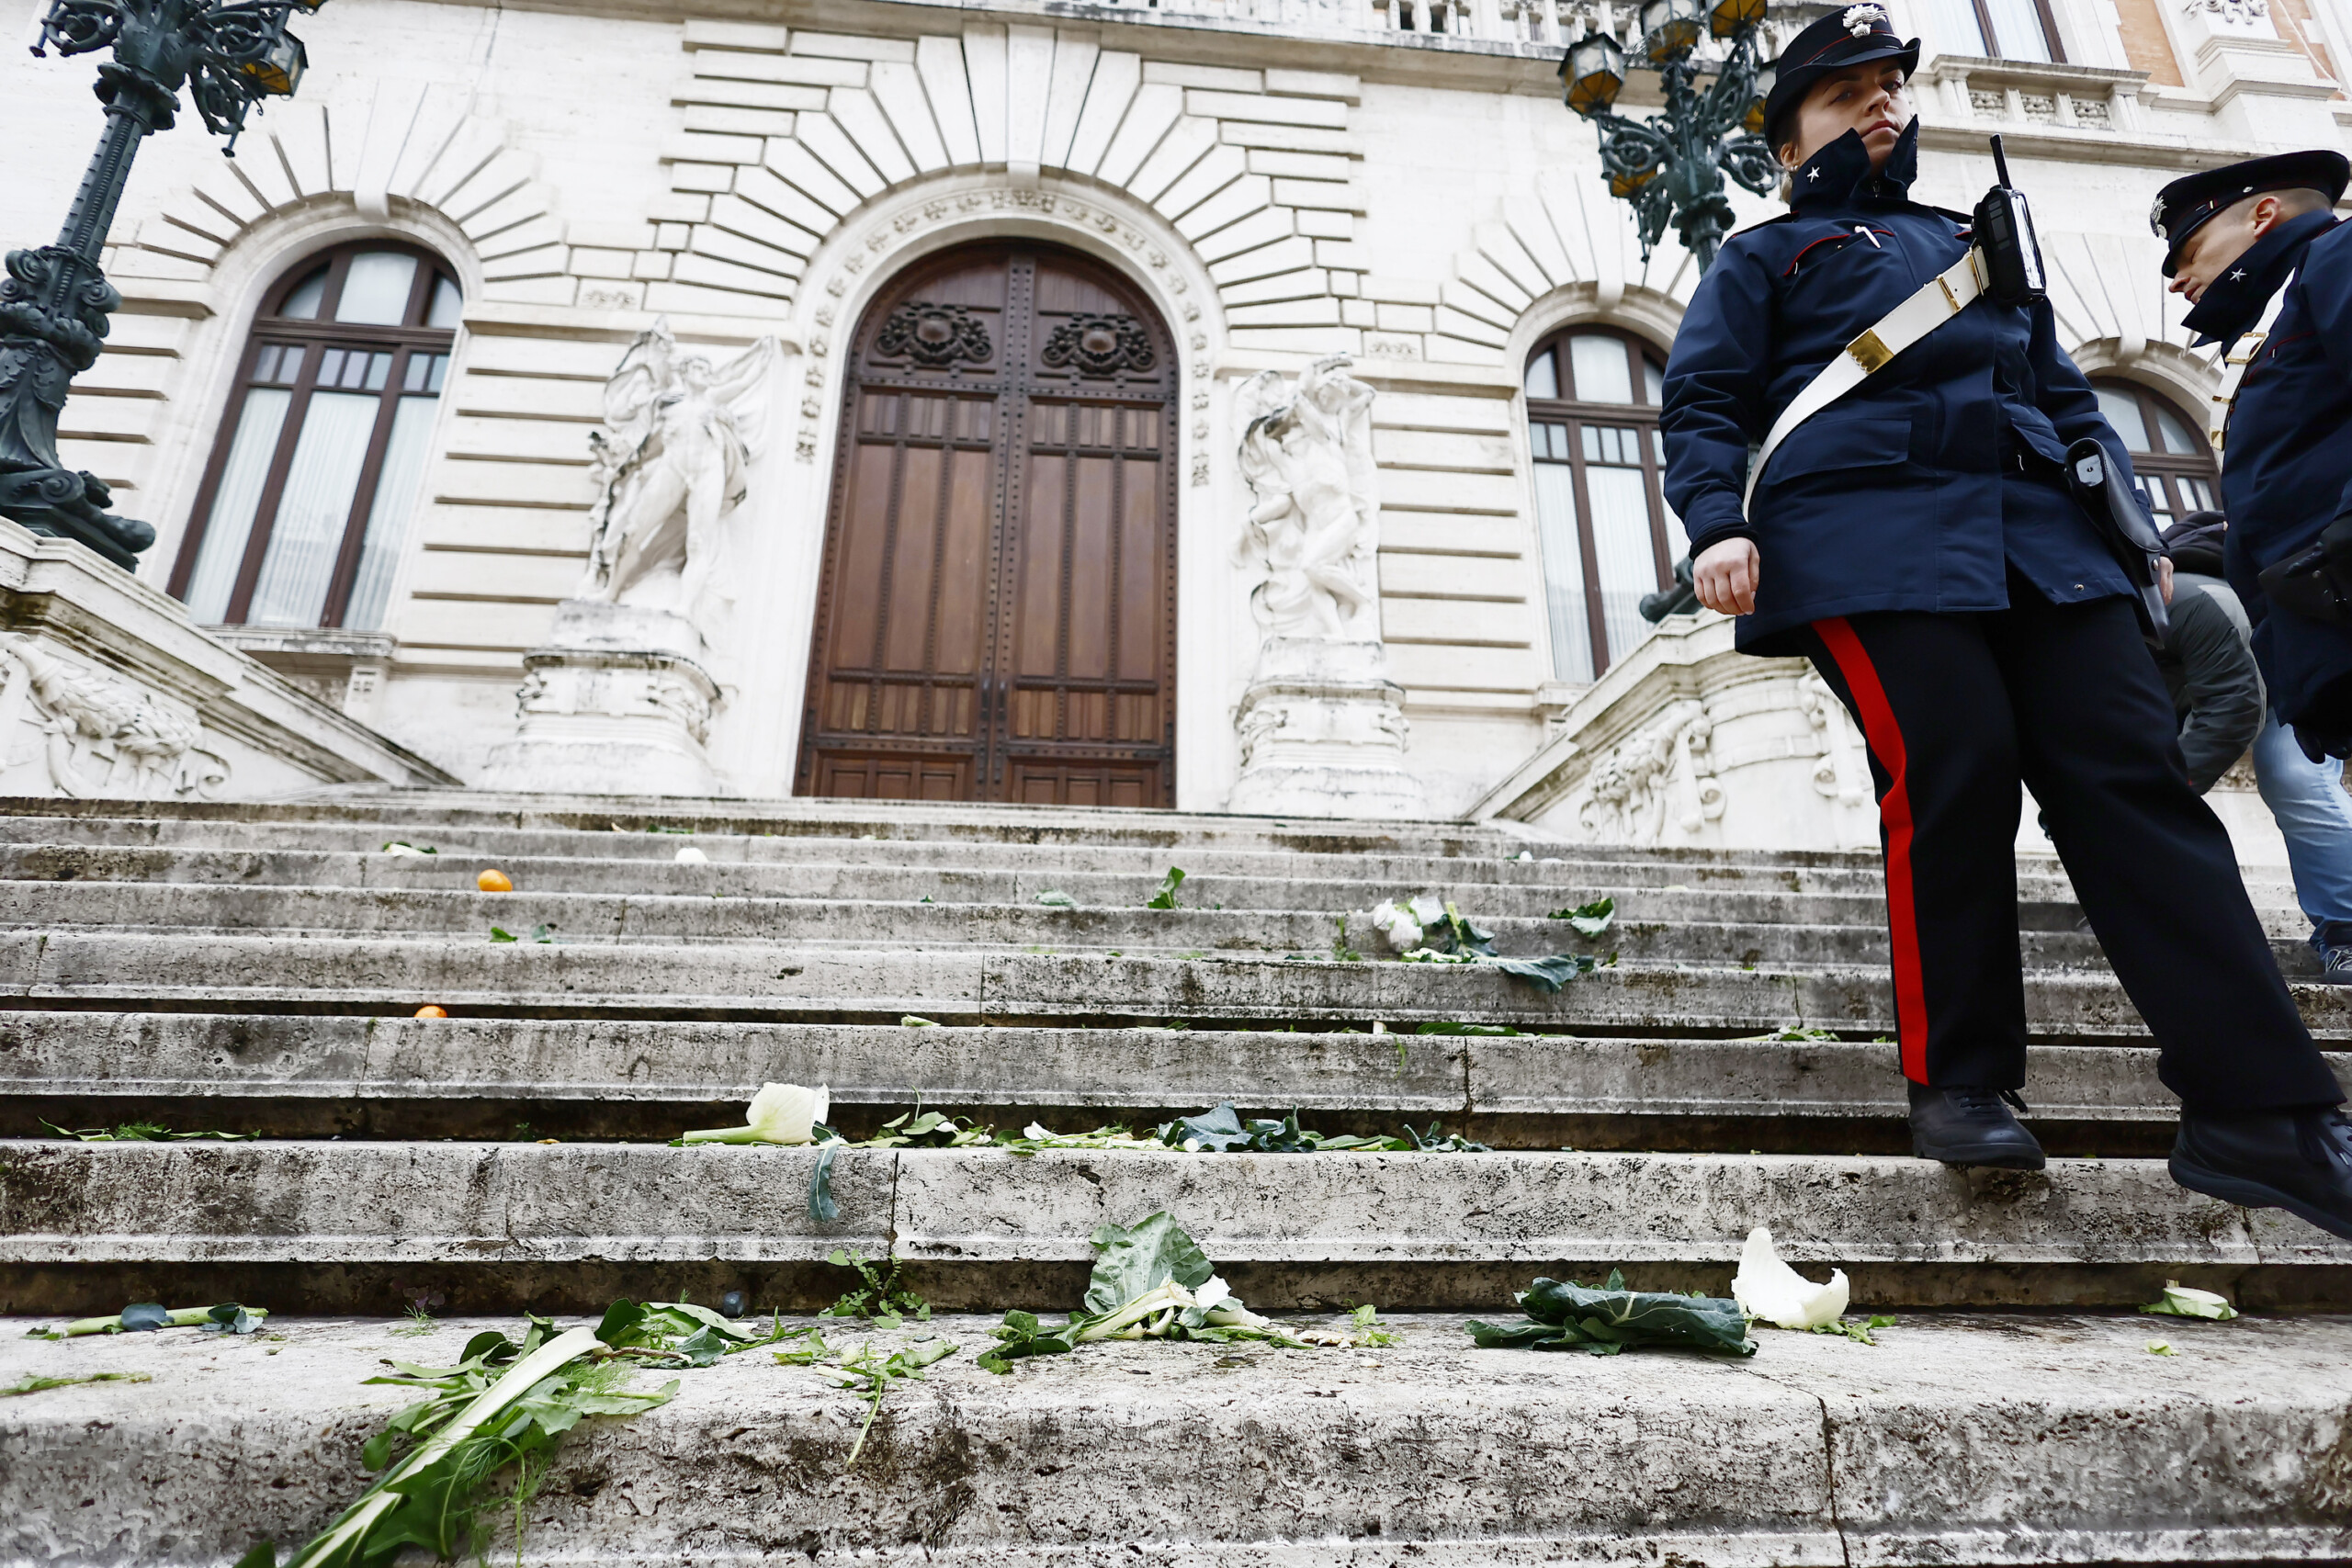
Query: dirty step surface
(1987, 1439)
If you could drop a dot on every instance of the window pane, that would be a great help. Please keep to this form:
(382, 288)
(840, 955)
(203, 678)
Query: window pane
(1653, 382)
(1621, 543)
(1543, 376)
(389, 517)
(2018, 27)
(1556, 526)
(2175, 431)
(2122, 410)
(1596, 365)
(2159, 502)
(2198, 494)
(302, 305)
(232, 523)
(446, 305)
(312, 513)
(1953, 24)
(376, 290)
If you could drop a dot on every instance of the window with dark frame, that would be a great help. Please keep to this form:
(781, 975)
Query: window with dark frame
(306, 503)
(1997, 30)
(2171, 456)
(1607, 535)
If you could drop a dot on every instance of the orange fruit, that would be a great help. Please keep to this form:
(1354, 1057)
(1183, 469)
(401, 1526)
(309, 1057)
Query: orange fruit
(494, 881)
(432, 1009)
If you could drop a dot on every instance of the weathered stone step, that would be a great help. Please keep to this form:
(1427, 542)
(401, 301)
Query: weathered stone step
(1957, 1440)
(819, 984)
(319, 1226)
(498, 1078)
(1426, 1452)
(1548, 867)
(670, 918)
(995, 823)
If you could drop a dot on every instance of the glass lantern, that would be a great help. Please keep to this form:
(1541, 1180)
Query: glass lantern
(1671, 28)
(1592, 74)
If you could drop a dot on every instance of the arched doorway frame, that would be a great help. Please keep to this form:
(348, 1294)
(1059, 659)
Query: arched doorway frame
(1215, 639)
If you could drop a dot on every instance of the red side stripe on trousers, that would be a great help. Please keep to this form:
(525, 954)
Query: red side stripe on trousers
(1885, 738)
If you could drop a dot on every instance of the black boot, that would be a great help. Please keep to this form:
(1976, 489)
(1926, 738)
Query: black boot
(1963, 1124)
(2299, 1160)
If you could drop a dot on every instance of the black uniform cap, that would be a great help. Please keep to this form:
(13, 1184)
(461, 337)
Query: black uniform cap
(1844, 38)
(2183, 206)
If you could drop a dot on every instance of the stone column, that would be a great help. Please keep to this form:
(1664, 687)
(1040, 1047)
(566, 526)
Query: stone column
(1321, 726)
(617, 703)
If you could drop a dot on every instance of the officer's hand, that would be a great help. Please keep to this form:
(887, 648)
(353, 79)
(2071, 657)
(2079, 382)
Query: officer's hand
(2164, 577)
(1726, 576)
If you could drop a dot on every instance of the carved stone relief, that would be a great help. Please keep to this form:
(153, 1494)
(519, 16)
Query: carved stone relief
(104, 737)
(1660, 776)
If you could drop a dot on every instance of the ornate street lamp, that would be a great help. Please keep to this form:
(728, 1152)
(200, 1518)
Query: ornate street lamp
(1671, 166)
(55, 302)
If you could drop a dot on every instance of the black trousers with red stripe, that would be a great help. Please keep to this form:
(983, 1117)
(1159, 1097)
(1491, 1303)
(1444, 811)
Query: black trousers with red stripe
(1958, 710)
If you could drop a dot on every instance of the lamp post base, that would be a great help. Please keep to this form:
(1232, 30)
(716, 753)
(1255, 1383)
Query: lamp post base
(62, 503)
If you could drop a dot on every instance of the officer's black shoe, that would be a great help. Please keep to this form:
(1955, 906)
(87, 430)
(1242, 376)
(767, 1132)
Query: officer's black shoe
(2297, 1160)
(1964, 1124)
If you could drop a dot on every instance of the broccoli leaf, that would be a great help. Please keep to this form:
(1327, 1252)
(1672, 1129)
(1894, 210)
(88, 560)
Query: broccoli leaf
(1544, 973)
(1141, 1259)
(1564, 1316)
(1166, 897)
(1589, 920)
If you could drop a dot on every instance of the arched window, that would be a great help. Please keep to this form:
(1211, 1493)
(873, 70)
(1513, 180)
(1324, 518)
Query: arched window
(307, 503)
(1607, 534)
(2172, 457)
(1996, 29)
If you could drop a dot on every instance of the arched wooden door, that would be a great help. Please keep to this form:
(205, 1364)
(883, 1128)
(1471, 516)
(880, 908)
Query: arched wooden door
(997, 618)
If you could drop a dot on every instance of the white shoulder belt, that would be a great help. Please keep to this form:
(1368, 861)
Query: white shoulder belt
(2240, 360)
(1944, 297)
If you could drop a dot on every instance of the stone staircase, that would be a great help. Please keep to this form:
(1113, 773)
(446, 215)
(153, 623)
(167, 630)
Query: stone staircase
(256, 969)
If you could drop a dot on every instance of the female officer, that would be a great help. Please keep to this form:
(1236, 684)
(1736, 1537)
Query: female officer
(1916, 540)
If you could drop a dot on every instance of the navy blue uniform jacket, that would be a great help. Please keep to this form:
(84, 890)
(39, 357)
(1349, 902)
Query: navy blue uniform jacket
(2286, 465)
(1907, 493)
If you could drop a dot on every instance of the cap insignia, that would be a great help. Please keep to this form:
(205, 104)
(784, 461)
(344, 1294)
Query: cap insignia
(2156, 218)
(1859, 20)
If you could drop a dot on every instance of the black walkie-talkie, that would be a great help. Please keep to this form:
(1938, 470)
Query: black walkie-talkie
(2005, 235)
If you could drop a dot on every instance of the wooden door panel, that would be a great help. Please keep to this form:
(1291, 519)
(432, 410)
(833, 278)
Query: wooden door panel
(996, 617)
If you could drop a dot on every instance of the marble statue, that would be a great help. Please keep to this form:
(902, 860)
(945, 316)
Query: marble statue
(1315, 531)
(668, 467)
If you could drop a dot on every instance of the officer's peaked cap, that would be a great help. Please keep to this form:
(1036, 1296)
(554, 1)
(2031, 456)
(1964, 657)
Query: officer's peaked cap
(1843, 37)
(2183, 206)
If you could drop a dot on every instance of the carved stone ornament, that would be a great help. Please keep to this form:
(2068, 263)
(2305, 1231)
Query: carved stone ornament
(2233, 13)
(933, 336)
(1661, 776)
(1100, 345)
(1313, 536)
(104, 737)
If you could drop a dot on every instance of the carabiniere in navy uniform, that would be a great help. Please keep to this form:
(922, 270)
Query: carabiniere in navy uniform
(1917, 539)
(2284, 422)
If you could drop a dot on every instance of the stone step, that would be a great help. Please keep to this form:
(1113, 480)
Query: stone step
(44, 844)
(323, 1227)
(524, 1078)
(1956, 1439)
(200, 971)
(1637, 889)
(646, 919)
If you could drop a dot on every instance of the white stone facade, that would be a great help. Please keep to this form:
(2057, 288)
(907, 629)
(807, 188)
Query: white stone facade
(1285, 180)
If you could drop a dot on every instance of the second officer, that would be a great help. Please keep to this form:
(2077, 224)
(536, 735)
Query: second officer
(1909, 530)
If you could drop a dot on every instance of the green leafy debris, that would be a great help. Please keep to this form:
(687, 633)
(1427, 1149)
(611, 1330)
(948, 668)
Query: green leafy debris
(1569, 1316)
(915, 1020)
(2180, 1301)
(142, 1317)
(1466, 1029)
(823, 1207)
(2158, 1347)
(1368, 1334)
(37, 1384)
(500, 933)
(1166, 897)
(1857, 1330)
(1150, 1281)
(1796, 1034)
(1426, 930)
(397, 847)
(143, 1132)
(873, 1377)
(1055, 898)
(880, 1299)
(1222, 1131)
(1589, 920)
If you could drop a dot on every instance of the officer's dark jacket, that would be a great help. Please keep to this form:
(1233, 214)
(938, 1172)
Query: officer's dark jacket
(1893, 498)
(2287, 464)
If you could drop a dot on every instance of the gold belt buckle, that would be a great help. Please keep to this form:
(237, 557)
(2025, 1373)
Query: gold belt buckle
(1869, 351)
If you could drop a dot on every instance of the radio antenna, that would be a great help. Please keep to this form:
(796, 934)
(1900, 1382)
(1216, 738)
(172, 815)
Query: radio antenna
(2000, 162)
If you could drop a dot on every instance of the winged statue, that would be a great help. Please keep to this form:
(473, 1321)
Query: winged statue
(669, 466)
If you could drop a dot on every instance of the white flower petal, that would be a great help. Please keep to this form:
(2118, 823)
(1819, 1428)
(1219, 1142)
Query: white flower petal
(1771, 1291)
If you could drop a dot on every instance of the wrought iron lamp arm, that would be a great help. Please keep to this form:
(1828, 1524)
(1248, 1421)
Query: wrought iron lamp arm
(54, 301)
